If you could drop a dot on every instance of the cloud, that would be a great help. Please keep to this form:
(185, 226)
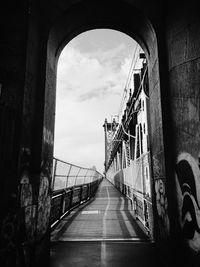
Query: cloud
(89, 89)
(93, 94)
(102, 92)
(111, 56)
(90, 74)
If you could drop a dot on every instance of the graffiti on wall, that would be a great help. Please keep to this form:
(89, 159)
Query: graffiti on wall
(161, 202)
(18, 226)
(161, 198)
(26, 190)
(28, 208)
(48, 136)
(9, 235)
(26, 204)
(188, 198)
(44, 205)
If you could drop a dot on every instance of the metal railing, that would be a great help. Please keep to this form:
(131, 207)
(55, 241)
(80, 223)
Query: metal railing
(71, 186)
(138, 189)
(67, 175)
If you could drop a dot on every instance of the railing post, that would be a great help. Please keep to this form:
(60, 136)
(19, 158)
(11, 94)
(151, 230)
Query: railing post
(62, 203)
(85, 176)
(67, 177)
(54, 175)
(81, 190)
(77, 176)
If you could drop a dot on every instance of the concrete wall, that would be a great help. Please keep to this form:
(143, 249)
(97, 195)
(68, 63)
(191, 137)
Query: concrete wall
(183, 44)
(13, 47)
(26, 137)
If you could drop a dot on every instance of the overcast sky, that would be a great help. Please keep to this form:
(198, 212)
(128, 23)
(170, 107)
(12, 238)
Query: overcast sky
(92, 73)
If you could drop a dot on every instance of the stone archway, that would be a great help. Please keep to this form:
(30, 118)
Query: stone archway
(47, 28)
(123, 17)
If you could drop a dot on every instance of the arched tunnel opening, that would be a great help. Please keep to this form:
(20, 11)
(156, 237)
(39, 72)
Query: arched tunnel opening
(109, 216)
(141, 30)
(33, 35)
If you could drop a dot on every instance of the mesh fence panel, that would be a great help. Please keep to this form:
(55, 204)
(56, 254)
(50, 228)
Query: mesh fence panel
(67, 175)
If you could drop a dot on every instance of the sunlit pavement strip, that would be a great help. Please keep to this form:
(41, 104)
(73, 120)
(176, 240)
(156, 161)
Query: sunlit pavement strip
(108, 217)
(103, 244)
(103, 234)
(90, 212)
(135, 239)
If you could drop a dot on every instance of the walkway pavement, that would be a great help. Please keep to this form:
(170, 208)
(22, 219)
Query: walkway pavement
(102, 233)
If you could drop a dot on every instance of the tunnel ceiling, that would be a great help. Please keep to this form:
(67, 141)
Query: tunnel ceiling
(67, 20)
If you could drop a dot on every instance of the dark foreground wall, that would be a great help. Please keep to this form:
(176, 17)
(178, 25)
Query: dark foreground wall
(183, 45)
(25, 145)
(32, 35)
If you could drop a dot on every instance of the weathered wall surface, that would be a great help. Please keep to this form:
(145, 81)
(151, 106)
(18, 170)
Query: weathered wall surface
(13, 23)
(160, 202)
(183, 44)
(26, 142)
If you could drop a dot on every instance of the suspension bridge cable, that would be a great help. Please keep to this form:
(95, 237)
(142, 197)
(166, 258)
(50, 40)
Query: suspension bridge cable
(132, 67)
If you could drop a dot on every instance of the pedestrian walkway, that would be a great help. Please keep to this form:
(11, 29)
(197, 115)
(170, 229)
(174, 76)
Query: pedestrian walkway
(102, 233)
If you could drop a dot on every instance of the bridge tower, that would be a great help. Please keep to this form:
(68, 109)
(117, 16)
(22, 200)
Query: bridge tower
(109, 129)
